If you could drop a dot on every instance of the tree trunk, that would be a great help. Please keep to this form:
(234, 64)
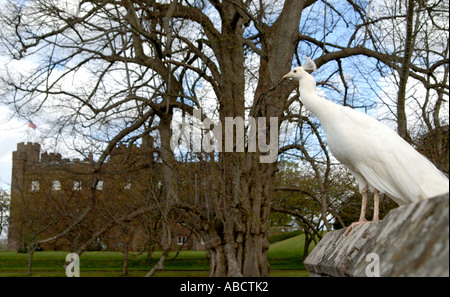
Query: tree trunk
(308, 239)
(238, 205)
(241, 250)
(31, 250)
(125, 258)
(166, 241)
(402, 126)
(237, 244)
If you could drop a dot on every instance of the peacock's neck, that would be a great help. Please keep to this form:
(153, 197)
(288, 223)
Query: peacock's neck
(320, 107)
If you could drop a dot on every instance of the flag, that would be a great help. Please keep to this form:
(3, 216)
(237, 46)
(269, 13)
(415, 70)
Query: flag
(32, 125)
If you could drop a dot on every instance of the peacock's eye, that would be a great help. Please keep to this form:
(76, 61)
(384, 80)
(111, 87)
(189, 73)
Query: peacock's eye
(295, 71)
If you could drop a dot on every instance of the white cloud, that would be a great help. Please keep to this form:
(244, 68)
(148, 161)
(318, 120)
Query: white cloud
(386, 105)
(13, 131)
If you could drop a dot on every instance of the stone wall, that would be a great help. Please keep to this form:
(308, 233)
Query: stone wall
(412, 240)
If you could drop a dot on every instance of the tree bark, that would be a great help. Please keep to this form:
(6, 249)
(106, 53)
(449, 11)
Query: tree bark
(31, 249)
(238, 244)
(125, 258)
(402, 124)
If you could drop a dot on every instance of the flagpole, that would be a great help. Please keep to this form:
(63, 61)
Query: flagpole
(28, 133)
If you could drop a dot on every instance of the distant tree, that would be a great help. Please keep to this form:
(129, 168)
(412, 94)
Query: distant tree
(418, 32)
(4, 210)
(434, 144)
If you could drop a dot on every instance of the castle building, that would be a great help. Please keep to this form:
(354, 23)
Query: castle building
(49, 192)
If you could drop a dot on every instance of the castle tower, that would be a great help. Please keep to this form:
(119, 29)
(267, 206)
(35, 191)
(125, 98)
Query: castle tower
(24, 158)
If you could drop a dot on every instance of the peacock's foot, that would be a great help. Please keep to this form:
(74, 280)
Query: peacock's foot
(353, 225)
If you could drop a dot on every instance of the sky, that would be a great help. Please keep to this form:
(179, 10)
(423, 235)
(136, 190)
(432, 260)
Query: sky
(12, 132)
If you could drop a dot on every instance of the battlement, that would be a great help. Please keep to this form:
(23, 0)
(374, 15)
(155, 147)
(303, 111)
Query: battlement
(24, 147)
(29, 151)
(51, 157)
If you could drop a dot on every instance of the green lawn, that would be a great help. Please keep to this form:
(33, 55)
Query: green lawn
(284, 258)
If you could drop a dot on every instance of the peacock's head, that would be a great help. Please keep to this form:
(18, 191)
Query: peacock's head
(297, 73)
(302, 71)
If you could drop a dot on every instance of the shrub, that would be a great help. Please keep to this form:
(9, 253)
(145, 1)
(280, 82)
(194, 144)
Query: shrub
(283, 236)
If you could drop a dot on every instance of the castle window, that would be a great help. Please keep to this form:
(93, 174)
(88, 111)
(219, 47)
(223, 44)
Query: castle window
(34, 186)
(77, 186)
(181, 240)
(56, 185)
(99, 186)
(127, 186)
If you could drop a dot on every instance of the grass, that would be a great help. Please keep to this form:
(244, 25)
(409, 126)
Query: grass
(287, 254)
(284, 258)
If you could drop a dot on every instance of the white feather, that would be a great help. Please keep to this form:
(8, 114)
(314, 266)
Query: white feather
(375, 154)
(384, 159)
(309, 66)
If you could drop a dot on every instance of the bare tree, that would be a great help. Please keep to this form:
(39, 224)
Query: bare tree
(4, 210)
(417, 32)
(117, 71)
